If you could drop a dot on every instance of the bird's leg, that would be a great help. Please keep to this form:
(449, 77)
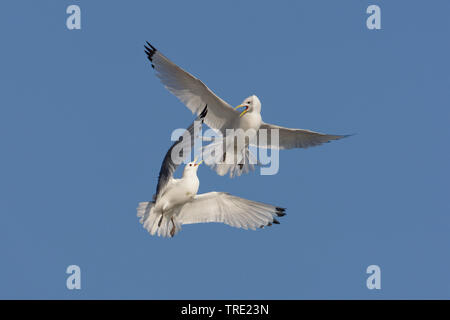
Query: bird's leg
(242, 162)
(244, 150)
(160, 219)
(235, 150)
(172, 231)
(224, 149)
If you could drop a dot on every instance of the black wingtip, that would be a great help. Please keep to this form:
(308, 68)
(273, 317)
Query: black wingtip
(280, 212)
(150, 51)
(204, 112)
(276, 221)
(149, 44)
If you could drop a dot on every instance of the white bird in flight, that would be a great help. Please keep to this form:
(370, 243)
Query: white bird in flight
(176, 201)
(221, 116)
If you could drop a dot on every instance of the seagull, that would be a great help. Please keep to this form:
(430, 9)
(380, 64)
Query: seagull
(176, 201)
(221, 116)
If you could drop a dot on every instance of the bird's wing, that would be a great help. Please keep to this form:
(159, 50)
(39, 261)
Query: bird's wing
(186, 140)
(295, 138)
(234, 211)
(191, 91)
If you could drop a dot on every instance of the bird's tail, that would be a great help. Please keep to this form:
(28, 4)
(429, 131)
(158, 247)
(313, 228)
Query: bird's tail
(234, 162)
(155, 222)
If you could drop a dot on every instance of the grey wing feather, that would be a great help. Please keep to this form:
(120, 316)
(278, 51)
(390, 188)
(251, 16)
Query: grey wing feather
(226, 208)
(296, 138)
(191, 91)
(168, 166)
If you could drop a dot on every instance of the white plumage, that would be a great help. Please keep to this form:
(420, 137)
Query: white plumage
(221, 116)
(176, 201)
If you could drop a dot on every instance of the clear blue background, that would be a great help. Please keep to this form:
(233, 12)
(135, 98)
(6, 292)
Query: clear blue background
(85, 123)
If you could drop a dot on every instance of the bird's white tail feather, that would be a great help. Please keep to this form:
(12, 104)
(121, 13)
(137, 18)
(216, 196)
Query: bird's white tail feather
(144, 209)
(151, 219)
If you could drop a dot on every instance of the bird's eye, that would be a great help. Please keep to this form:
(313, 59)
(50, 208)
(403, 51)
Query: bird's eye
(248, 102)
(190, 164)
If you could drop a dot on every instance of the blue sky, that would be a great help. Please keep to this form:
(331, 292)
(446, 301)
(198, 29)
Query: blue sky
(85, 124)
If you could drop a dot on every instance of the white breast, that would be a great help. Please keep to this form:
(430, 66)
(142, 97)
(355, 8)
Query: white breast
(179, 193)
(250, 120)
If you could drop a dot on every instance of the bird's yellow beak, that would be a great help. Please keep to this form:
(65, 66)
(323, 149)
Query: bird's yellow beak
(242, 106)
(197, 164)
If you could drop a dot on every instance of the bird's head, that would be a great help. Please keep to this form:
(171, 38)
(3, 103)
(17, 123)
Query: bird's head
(250, 104)
(192, 167)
